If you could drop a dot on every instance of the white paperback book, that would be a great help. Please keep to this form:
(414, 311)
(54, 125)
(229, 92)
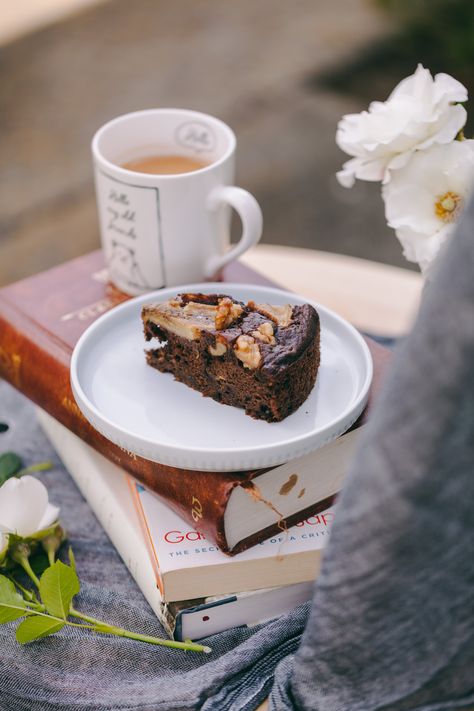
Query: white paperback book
(172, 549)
(188, 565)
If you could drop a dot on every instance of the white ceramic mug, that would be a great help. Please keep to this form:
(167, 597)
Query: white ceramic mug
(166, 230)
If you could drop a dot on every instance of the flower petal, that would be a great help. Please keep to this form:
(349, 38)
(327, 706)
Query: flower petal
(416, 83)
(422, 249)
(23, 504)
(453, 122)
(373, 170)
(459, 174)
(411, 206)
(50, 516)
(346, 176)
(449, 88)
(399, 161)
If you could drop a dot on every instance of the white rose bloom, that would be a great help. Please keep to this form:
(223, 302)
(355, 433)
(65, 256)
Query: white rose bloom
(420, 112)
(425, 198)
(24, 507)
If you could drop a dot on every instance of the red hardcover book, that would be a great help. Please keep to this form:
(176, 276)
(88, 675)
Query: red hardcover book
(41, 319)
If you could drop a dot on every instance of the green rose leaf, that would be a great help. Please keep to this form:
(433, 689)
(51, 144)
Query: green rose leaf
(10, 464)
(58, 585)
(37, 627)
(12, 605)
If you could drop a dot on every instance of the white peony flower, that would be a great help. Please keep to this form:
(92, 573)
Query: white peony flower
(3, 545)
(424, 199)
(420, 112)
(24, 507)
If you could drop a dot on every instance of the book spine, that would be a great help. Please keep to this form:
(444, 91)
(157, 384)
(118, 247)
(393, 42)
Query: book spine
(118, 521)
(38, 366)
(145, 530)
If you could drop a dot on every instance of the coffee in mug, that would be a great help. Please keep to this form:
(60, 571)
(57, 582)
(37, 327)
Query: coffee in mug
(164, 165)
(164, 183)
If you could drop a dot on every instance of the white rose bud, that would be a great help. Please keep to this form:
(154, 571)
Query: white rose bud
(24, 507)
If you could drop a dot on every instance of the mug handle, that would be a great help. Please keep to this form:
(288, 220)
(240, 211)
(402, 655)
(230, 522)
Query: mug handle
(251, 216)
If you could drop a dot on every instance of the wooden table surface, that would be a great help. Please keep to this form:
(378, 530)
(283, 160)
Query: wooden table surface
(375, 297)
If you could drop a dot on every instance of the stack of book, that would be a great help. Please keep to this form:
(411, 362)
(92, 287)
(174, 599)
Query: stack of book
(206, 553)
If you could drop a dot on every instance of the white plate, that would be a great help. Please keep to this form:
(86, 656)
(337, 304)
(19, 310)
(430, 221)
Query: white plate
(152, 415)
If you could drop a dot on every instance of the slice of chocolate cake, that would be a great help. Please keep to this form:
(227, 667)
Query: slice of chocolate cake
(260, 357)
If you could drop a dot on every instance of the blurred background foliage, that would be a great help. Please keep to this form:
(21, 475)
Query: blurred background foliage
(437, 33)
(280, 73)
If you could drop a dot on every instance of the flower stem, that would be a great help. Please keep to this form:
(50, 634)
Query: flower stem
(36, 606)
(39, 610)
(185, 646)
(82, 616)
(86, 618)
(40, 467)
(60, 619)
(25, 564)
(105, 628)
(28, 594)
